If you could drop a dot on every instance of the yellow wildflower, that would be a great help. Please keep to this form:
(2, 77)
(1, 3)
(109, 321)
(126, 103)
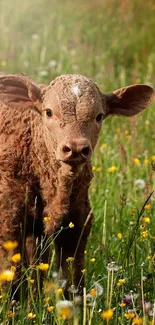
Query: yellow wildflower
(104, 145)
(10, 245)
(43, 266)
(30, 280)
(137, 321)
(142, 227)
(1, 297)
(149, 257)
(146, 161)
(118, 130)
(50, 308)
(119, 235)
(12, 268)
(138, 80)
(7, 275)
(70, 259)
(107, 314)
(98, 169)
(92, 260)
(60, 291)
(49, 287)
(83, 271)
(71, 225)
(129, 315)
(121, 281)
(112, 169)
(147, 122)
(145, 219)
(133, 212)
(147, 206)
(3, 63)
(16, 258)
(46, 299)
(93, 168)
(93, 292)
(144, 234)
(85, 252)
(136, 161)
(46, 219)
(122, 304)
(153, 157)
(11, 314)
(31, 316)
(126, 132)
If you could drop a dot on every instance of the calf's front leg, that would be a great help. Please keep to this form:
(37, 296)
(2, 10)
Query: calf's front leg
(70, 247)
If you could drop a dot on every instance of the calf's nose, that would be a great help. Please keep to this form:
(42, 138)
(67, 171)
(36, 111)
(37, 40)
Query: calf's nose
(76, 149)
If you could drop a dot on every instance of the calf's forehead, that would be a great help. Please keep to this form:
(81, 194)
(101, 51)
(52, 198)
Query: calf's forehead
(73, 94)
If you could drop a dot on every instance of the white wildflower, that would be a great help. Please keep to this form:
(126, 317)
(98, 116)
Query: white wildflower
(140, 183)
(75, 67)
(65, 309)
(35, 36)
(52, 64)
(26, 63)
(43, 73)
(112, 267)
(98, 288)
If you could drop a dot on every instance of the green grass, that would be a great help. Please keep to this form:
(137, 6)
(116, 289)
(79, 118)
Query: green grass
(112, 42)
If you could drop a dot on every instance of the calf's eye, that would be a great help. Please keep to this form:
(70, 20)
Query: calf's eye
(99, 117)
(49, 113)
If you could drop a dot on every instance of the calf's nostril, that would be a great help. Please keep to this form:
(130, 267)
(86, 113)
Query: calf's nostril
(66, 149)
(85, 151)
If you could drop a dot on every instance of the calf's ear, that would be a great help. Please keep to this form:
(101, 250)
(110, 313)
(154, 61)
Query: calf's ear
(129, 100)
(19, 89)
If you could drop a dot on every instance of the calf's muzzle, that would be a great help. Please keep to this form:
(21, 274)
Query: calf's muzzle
(76, 150)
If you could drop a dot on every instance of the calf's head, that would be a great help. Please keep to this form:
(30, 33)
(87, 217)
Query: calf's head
(72, 109)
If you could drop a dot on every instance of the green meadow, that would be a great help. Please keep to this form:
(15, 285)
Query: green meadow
(113, 42)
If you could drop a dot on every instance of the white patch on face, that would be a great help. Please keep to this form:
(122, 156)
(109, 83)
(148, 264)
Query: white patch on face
(76, 90)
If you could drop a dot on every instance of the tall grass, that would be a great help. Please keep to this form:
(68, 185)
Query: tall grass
(112, 42)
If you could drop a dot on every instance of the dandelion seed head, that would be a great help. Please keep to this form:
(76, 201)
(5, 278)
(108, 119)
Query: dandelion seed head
(140, 183)
(73, 289)
(52, 64)
(112, 267)
(65, 309)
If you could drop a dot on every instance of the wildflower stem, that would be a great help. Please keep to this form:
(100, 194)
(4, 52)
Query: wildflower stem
(153, 320)
(108, 284)
(111, 288)
(142, 292)
(104, 224)
(84, 306)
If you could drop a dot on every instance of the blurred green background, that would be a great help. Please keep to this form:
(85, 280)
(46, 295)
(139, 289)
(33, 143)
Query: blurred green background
(111, 41)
